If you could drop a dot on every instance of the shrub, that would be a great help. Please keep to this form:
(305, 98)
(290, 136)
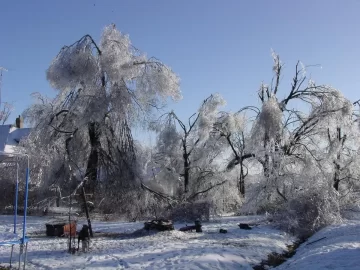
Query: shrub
(308, 212)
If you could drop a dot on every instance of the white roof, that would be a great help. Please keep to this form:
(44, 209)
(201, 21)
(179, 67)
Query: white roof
(10, 137)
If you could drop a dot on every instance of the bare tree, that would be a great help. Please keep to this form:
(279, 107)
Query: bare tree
(5, 112)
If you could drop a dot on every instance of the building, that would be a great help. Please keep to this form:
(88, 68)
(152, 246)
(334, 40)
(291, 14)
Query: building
(10, 137)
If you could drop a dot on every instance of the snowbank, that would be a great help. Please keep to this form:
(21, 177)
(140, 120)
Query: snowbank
(334, 247)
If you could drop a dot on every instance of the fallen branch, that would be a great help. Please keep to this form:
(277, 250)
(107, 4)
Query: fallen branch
(315, 241)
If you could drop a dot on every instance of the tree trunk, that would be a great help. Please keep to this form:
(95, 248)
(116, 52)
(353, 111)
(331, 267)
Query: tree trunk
(276, 166)
(267, 157)
(93, 160)
(242, 180)
(186, 173)
(337, 165)
(276, 157)
(186, 167)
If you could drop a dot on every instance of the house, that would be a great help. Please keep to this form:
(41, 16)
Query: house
(10, 137)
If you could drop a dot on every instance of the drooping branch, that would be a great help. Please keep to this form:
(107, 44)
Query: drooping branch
(239, 160)
(84, 38)
(206, 190)
(61, 131)
(157, 193)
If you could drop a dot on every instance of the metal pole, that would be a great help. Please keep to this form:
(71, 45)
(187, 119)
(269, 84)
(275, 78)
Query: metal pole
(1, 70)
(12, 249)
(26, 198)
(70, 246)
(20, 253)
(25, 206)
(25, 258)
(16, 194)
(25, 211)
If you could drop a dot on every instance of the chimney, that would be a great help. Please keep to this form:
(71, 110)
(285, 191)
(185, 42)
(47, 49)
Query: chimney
(19, 122)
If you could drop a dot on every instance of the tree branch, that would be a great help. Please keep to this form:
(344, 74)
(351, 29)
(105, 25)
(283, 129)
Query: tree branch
(206, 190)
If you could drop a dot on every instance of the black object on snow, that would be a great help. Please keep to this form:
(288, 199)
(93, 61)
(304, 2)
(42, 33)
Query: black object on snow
(55, 229)
(244, 226)
(196, 227)
(160, 225)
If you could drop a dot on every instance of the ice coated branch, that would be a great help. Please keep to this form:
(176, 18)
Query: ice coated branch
(157, 193)
(206, 190)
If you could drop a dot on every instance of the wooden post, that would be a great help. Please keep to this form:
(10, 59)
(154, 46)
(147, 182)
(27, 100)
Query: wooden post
(86, 211)
(70, 247)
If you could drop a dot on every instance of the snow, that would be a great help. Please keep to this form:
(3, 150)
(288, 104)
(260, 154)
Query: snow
(16, 135)
(116, 246)
(8, 236)
(339, 250)
(120, 249)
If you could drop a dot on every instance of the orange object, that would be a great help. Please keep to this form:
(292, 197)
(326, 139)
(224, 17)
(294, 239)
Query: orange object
(70, 228)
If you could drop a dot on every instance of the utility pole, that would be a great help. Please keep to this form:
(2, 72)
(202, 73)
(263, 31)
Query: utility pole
(1, 71)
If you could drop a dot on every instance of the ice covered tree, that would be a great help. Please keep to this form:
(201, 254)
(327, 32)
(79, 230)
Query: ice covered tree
(278, 127)
(186, 152)
(342, 151)
(286, 132)
(103, 90)
(290, 140)
(301, 142)
(232, 128)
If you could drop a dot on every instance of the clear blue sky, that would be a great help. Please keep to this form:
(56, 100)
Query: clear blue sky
(215, 46)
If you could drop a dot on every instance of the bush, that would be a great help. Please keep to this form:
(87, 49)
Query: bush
(308, 212)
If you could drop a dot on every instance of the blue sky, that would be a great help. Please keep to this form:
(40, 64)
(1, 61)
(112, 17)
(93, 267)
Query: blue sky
(214, 46)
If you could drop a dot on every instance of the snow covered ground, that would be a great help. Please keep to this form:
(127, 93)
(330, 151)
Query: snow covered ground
(238, 249)
(340, 249)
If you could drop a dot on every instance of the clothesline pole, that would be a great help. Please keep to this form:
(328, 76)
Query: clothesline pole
(26, 198)
(16, 194)
(23, 241)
